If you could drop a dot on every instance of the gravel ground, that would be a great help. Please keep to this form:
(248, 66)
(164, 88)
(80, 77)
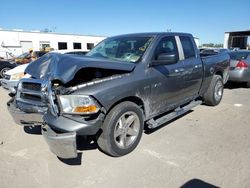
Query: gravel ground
(209, 146)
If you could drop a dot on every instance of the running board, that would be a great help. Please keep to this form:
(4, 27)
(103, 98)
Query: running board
(153, 123)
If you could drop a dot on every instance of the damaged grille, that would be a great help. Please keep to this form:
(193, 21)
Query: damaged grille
(36, 93)
(31, 86)
(31, 97)
(29, 91)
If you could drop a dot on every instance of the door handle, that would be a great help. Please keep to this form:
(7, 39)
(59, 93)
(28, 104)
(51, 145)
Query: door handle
(179, 70)
(197, 66)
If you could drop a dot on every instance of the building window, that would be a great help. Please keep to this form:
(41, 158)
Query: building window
(90, 46)
(62, 46)
(77, 45)
(44, 45)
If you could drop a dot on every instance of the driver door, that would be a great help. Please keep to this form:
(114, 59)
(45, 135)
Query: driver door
(167, 79)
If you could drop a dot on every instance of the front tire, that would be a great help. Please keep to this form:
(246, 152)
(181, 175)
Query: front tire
(122, 129)
(214, 93)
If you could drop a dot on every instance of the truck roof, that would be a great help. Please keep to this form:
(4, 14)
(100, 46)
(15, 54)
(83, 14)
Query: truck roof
(155, 34)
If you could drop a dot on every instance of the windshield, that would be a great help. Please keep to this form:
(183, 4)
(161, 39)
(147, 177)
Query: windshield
(129, 49)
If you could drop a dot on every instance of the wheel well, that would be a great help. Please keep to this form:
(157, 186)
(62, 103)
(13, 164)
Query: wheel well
(133, 99)
(219, 73)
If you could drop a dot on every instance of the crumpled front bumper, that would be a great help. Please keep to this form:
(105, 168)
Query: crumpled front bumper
(61, 144)
(25, 114)
(60, 133)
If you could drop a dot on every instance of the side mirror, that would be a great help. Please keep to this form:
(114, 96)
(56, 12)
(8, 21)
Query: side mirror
(165, 59)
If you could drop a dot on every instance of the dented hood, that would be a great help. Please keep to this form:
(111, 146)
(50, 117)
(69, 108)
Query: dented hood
(63, 67)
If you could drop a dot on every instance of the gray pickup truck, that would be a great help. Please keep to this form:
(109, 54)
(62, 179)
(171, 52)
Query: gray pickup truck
(126, 83)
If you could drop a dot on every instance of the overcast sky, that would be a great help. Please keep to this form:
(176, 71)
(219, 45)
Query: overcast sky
(207, 20)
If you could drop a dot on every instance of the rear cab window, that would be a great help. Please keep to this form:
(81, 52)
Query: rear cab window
(188, 47)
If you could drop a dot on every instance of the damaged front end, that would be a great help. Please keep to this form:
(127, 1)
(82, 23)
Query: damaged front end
(54, 108)
(51, 99)
(32, 101)
(58, 74)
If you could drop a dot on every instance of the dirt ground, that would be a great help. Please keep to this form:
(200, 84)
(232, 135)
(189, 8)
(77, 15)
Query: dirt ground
(209, 146)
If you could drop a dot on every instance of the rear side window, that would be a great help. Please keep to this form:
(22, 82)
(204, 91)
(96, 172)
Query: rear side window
(238, 55)
(188, 47)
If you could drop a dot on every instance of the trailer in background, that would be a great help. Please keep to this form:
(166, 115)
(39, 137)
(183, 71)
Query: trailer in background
(237, 39)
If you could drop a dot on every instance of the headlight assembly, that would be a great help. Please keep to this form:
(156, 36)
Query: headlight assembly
(78, 104)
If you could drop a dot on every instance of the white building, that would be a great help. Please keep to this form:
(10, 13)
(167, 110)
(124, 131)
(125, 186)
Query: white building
(19, 41)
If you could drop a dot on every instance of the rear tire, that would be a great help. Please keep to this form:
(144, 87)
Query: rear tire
(122, 129)
(214, 93)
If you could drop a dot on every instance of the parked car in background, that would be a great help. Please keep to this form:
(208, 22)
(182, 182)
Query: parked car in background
(23, 58)
(5, 66)
(240, 66)
(12, 77)
(27, 57)
(36, 54)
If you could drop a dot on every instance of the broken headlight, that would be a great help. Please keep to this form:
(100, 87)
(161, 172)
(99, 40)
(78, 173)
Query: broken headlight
(78, 104)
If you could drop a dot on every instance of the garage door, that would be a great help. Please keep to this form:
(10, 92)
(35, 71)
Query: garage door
(26, 45)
